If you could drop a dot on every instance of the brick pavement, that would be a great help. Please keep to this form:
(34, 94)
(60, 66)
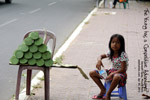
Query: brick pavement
(68, 84)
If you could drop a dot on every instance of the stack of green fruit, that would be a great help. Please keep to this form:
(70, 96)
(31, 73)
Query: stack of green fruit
(32, 52)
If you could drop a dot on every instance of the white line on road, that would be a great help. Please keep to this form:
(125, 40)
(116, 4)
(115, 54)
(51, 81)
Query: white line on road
(50, 4)
(8, 22)
(36, 10)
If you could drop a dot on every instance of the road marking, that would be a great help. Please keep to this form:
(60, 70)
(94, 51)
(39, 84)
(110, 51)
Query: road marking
(50, 4)
(8, 22)
(36, 10)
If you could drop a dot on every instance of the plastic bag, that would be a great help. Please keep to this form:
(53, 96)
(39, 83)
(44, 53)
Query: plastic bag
(103, 73)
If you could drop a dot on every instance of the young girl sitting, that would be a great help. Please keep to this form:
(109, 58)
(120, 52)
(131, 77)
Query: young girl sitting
(117, 74)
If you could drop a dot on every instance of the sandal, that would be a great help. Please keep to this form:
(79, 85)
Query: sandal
(98, 97)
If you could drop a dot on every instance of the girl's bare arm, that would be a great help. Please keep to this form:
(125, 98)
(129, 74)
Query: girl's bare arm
(99, 61)
(101, 57)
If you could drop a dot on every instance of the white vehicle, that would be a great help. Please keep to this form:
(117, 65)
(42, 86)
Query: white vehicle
(8, 1)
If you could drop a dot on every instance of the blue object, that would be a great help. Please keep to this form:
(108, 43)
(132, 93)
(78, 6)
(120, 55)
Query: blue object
(120, 93)
(101, 72)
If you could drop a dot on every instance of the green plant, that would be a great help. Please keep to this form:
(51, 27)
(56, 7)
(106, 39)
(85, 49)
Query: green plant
(59, 60)
(37, 86)
(41, 78)
(94, 14)
(87, 22)
(32, 94)
(13, 97)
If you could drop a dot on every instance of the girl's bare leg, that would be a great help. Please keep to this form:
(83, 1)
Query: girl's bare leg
(96, 78)
(113, 85)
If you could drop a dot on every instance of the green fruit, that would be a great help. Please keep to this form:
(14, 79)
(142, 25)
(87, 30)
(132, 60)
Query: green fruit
(37, 55)
(18, 54)
(28, 55)
(23, 61)
(14, 60)
(48, 63)
(42, 48)
(40, 62)
(34, 35)
(28, 41)
(46, 55)
(33, 48)
(32, 61)
(23, 48)
(38, 42)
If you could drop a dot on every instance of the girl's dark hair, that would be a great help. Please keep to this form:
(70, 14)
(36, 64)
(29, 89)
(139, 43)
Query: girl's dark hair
(122, 44)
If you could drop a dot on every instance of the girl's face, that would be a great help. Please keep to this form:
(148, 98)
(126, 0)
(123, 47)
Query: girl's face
(115, 44)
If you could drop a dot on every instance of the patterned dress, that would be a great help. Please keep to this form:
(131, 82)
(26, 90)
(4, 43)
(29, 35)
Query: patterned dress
(116, 61)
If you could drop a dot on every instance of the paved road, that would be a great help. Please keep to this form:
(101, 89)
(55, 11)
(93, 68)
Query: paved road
(59, 16)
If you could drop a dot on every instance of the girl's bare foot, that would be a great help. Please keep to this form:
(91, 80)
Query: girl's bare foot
(100, 96)
(102, 93)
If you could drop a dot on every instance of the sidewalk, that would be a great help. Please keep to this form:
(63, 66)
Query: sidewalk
(68, 84)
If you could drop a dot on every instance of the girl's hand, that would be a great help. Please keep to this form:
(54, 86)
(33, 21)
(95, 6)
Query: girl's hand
(110, 76)
(99, 64)
(99, 61)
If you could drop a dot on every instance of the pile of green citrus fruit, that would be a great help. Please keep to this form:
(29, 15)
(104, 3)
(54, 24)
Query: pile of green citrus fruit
(32, 52)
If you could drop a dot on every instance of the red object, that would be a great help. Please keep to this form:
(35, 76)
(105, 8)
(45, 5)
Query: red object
(122, 0)
(98, 97)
